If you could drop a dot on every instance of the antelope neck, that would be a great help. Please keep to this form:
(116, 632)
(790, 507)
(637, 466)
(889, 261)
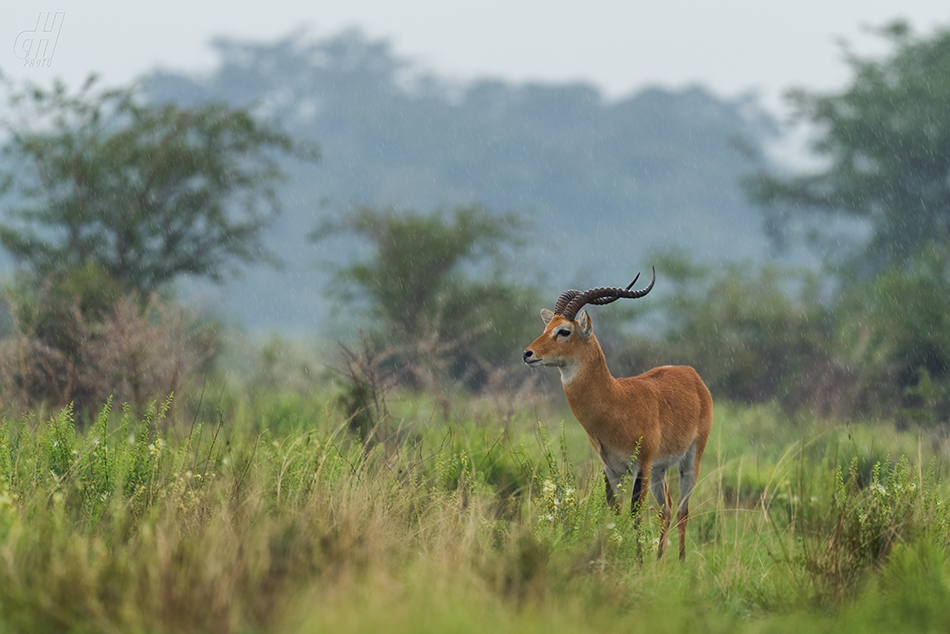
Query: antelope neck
(586, 371)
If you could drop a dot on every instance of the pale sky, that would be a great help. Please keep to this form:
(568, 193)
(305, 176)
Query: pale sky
(731, 46)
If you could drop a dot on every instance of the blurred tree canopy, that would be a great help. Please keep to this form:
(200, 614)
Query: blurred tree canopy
(880, 347)
(108, 200)
(755, 334)
(145, 192)
(885, 147)
(440, 282)
(884, 143)
(657, 167)
(896, 334)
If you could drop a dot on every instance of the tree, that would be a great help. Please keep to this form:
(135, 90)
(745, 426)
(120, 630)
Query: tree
(885, 145)
(146, 192)
(755, 334)
(439, 282)
(108, 198)
(897, 336)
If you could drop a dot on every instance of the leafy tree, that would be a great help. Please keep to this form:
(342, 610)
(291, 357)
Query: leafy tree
(885, 142)
(885, 145)
(439, 282)
(145, 192)
(755, 334)
(897, 335)
(107, 198)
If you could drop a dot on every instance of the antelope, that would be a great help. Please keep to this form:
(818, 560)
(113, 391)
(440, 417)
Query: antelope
(640, 425)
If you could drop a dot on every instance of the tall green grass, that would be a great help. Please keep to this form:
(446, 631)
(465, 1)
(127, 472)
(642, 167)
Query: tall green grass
(263, 513)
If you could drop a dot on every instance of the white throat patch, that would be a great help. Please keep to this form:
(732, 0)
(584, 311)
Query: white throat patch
(568, 372)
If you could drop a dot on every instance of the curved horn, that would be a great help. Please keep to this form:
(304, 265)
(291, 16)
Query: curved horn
(601, 296)
(564, 300)
(567, 296)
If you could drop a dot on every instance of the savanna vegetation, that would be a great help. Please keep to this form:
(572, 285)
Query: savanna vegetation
(156, 476)
(260, 510)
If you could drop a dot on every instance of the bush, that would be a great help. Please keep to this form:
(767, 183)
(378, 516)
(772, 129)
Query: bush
(895, 331)
(880, 347)
(754, 334)
(440, 290)
(901, 504)
(78, 340)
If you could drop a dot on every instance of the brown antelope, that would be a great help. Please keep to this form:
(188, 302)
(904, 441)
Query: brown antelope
(640, 425)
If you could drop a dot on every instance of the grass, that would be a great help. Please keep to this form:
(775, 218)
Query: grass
(264, 513)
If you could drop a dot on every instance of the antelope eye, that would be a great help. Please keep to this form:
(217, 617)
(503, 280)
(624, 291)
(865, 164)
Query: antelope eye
(564, 333)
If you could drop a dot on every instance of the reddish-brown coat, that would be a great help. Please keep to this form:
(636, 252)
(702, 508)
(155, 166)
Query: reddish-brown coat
(657, 415)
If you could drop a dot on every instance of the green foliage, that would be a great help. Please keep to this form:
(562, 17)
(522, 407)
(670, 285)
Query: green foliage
(363, 395)
(896, 330)
(842, 547)
(109, 201)
(267, 523)
(754, 334)
(927, 400)
(146, 193)
(754, 341)
(557, 485)
(56, 310)
(441, 283)
(879, 347)
(57, 443)
(885, 141)
(911, 592)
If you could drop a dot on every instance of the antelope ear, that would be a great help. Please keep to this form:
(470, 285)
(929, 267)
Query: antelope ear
(584, 325)
(547, 316)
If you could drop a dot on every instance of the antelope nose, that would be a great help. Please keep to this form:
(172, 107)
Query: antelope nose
(527, 355)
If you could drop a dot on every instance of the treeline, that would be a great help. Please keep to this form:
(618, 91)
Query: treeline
(870, 333)
(880, 348)
(448, 310)
(110, 200)
(650, 170)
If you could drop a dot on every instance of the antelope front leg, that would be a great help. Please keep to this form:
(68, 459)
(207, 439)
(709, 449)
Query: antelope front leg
(641, 487)
(611, 498)
(638, 499)
(613, 474)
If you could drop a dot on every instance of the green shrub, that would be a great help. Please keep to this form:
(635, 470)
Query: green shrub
(268, 521)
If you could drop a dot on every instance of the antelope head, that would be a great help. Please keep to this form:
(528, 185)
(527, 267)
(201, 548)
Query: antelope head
(566, 333)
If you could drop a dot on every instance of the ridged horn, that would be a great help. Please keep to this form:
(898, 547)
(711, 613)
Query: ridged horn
(570, 302)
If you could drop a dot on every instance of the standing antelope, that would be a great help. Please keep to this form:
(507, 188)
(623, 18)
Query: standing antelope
(640, 425)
